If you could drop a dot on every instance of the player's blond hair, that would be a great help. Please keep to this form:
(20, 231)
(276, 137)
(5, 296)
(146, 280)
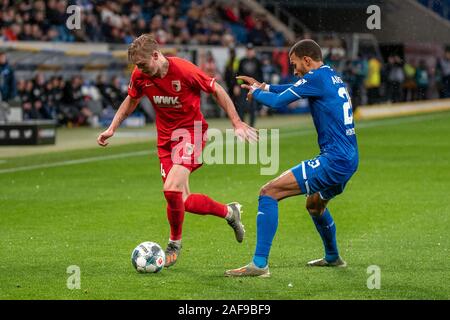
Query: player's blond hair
(143, 46)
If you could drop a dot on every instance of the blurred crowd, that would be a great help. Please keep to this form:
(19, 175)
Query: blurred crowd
(171, 21)
(396, 80)
(78, 101)
(71, 102)
(369, 80)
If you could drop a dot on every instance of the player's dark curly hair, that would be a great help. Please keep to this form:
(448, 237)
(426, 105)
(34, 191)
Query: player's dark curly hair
(307, 48)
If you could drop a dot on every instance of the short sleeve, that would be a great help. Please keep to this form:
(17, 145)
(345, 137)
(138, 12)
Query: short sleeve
(200, 80)
(134, 91)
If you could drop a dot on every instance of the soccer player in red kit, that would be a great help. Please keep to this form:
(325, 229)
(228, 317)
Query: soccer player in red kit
(173, 86)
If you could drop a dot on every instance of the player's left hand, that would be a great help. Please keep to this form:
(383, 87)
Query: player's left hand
(245, 133)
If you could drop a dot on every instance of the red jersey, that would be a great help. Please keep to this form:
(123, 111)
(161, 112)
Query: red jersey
(175, 98)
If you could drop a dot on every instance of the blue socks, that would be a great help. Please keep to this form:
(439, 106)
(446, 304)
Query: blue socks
(267, 224)
(266, 227)
(327, 230)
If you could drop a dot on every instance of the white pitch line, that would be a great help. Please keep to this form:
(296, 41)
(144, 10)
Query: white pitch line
(378, 123)
(78, 161)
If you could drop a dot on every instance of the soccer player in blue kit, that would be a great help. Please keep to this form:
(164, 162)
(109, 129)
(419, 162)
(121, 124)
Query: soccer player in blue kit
(321, 178)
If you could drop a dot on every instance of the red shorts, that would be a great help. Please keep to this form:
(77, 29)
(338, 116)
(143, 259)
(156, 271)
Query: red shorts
(186, 152)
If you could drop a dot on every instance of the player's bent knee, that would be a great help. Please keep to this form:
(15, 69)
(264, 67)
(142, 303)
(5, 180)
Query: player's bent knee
(266, 191)
(269, 191)
(314, 209)
(173, 187)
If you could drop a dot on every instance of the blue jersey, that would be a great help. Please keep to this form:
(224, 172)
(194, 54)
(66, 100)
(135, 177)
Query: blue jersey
(331, 111)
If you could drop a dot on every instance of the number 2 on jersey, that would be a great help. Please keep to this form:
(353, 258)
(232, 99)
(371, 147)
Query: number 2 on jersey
(347, 106)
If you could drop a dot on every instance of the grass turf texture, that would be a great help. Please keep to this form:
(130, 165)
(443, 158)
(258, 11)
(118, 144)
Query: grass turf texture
(394, 214)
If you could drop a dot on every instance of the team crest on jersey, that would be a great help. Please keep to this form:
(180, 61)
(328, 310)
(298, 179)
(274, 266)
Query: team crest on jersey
(176, 85)
(300, 82)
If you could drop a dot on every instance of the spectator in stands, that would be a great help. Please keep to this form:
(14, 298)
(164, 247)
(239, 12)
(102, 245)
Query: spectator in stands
(395, 78)
(443, 69)
(50, 98)
(39, 98)
(58, 90)
(335, 58)
(8, 89)
(422, 80)
(33, 107)
(250, 66)
(373, 80)
(230, 73)
(24, 91)
(74, 110)
(115, 94)
(103, 88)
(258, 34)
(359, 67)
(270, 74)
(208, 65)
(409, 85)
(349, 75)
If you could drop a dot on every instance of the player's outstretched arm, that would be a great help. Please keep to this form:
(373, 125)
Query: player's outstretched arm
(241, 129)
(275, 88)
(126, 108)
(271, 99)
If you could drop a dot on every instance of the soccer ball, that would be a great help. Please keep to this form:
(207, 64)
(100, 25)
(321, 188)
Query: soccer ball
(148, 257)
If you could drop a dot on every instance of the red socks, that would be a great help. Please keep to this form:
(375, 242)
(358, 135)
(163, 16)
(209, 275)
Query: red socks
(175, 213)
(195, 203)
(202, 204)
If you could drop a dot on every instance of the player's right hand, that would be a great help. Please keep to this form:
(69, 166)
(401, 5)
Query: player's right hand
(105, 135)
(249, 81)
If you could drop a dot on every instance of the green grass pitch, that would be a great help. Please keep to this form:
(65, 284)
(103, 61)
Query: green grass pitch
(393, 214)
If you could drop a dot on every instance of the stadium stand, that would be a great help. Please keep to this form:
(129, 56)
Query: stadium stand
(172, 21)
(78, 77)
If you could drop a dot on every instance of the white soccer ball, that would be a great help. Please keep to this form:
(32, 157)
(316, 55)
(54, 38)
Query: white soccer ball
(148, 257)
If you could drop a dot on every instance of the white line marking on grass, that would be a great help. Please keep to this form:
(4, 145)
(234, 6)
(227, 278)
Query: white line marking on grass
(78, 161)
(376, 123)
(131, 134)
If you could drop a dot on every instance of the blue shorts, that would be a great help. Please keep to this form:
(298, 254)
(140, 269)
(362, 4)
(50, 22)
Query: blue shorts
(316, 175)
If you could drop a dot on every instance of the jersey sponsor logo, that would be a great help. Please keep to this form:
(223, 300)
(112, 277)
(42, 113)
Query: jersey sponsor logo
(176, 85)
(165, 101)
(336, 79)
(300, 82)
